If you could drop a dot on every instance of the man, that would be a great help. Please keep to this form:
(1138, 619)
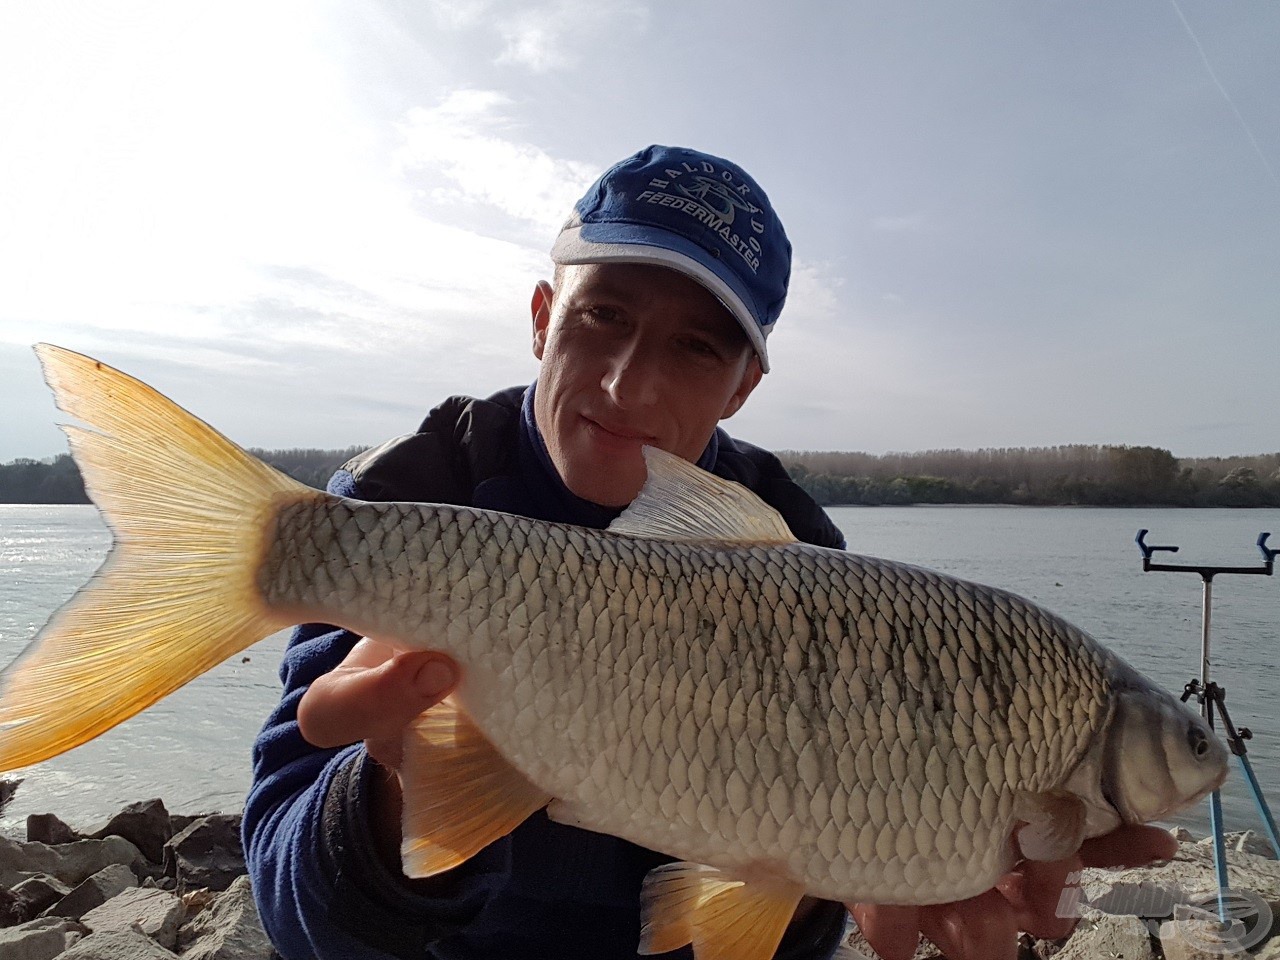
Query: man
(669, 278)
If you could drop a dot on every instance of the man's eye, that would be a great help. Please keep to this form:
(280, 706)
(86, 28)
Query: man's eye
(701, 348)
(602, 314)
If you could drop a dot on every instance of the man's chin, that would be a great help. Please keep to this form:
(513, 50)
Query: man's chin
(608, 487)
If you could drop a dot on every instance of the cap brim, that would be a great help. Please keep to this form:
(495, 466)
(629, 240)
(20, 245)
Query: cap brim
(632, 243)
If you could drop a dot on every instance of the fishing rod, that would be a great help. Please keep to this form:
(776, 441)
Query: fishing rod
(1212, 698)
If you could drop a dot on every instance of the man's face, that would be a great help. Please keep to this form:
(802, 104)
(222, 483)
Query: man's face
(631, 355)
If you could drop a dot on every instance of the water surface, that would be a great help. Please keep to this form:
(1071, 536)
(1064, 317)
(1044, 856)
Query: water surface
(193, 748)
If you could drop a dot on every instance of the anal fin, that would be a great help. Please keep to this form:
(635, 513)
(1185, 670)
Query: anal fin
(723, 917)
(460, 795)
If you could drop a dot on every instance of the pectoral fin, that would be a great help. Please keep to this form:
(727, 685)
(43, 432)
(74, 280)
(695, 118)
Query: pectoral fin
(459, 794)
(1055, 825)
(724, 918)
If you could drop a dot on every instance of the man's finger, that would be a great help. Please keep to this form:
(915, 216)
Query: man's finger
(357, 702)
(980, 928)
(1035, 894)
(893, 932)
(1131, 845)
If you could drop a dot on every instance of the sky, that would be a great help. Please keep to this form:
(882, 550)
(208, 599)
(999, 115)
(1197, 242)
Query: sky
(1015, 222)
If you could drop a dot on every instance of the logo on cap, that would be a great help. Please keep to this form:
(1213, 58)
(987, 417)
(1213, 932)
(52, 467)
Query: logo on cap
(713, 197)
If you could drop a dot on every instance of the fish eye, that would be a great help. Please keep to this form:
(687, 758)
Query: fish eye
(1198, 741)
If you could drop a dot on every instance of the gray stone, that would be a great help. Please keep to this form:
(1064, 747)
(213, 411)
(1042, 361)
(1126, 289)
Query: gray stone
(206, 854)
(1247, 841)
(146, 825)
(1189, 937)
(47, 828)
(1110, 936)
(12, 910)
(118, 945)
(181, 821)
(71, 862)
(94, 892)
(24, 943)
(229, 929)
(154, 912)
(1182, 835)
(38, 939)
(7, 789)
(40, 892)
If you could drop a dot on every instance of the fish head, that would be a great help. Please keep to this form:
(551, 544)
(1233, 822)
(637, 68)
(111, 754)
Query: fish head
(1160, 755)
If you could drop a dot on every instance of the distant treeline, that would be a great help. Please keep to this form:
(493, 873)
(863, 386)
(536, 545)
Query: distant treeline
(58, 480)
(1077, 474)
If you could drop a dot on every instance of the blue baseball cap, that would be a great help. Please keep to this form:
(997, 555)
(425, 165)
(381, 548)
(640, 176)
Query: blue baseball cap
(695, 213)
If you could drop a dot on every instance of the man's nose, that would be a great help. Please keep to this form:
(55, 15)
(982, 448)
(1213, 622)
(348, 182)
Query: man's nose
(633, 377)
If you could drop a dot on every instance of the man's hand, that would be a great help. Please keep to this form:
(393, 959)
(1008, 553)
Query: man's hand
(986, 927)
(373, 695)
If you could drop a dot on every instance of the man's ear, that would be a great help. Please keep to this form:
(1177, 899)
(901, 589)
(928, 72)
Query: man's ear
(750, 380)
(540, 308)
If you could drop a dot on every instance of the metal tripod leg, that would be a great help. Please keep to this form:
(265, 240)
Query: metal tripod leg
(1235, 740)
(1207, 707)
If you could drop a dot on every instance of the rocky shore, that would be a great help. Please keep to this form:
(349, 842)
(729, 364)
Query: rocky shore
(145, 885)
(151, 885)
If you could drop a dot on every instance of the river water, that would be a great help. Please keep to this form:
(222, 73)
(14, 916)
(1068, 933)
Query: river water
(192, 749)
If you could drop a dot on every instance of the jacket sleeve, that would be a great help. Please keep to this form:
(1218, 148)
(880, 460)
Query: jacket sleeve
(321, 891)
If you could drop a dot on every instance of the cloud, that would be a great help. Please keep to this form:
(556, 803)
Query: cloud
(546, 37)
(462, 148)
(460, 14)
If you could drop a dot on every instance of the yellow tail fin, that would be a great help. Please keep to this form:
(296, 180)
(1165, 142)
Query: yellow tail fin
(190, 512)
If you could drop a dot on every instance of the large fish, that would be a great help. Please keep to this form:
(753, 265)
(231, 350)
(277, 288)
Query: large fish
(782, 718)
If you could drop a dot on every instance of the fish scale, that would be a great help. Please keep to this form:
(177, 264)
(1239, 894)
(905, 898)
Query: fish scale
(875, 762)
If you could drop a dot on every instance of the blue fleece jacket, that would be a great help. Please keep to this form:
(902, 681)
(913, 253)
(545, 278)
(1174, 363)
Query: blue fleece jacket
(545, 891)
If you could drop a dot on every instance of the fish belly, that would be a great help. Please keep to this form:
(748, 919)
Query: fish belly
(860, 726)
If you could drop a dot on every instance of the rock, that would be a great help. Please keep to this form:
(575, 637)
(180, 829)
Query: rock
(1182, 835)
(12, 911)
(71, 862)
(108, 882)
(118, 945)
(1029, 948)
(7, 789)
(181, 821)
(1274, 933)
(34, 940)
(47, 828)
(229, 930)
(27, 943)
(154, 912)
(1110, 936)
(40, 892)
(206, 854)
(1247, 841)
(146, 825)
(1195, 937)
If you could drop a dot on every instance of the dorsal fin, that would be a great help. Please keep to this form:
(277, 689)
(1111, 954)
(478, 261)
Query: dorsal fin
(682, 502)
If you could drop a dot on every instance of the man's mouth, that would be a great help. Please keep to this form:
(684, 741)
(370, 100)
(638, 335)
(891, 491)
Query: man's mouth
(619, 432)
